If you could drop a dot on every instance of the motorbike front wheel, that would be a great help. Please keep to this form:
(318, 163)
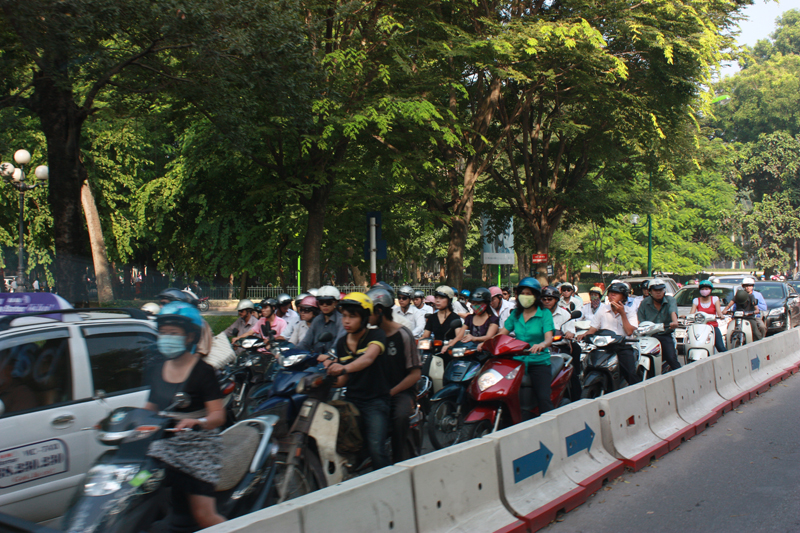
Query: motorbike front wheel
(480, 429)
(203, 306)
(595, 390)
(305, 476)
(737, 340)
(445, 428)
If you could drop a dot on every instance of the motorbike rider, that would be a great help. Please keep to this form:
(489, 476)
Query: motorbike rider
(285, 311)
(404, 368)
(247, 319)
(481, 325)
(268, 318)
(193, 458)
(662, 309)
(589, 310)
(562, 321)
(569, 297)
(506, 293)
(532, 323)
(501, 307)
(463, 299)
(614, 316)
(363, 367)
(753, 303)
(706, 303)
(419, 303)
(309, 310)
(176, 295)
(330, 319)
(410, 312)
(439, 325)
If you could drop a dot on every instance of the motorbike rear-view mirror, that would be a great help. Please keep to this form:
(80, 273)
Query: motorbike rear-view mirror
(455, 324)
(326, 337)
(575, 314)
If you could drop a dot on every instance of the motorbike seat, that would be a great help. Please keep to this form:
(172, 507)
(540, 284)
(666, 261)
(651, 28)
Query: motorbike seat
(556, 366)
(239, 445)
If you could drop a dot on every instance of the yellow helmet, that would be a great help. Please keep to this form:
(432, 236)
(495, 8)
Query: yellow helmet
(360, 299)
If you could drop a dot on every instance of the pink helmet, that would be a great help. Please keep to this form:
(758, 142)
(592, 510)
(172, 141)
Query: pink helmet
(429, 299)
(309, 301)
(496, 291)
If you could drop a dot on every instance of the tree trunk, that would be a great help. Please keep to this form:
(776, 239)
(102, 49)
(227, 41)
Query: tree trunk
(455, 252)
(102, 269)
(61, 121)
(281, 270)
(243, 286)
(316, 205)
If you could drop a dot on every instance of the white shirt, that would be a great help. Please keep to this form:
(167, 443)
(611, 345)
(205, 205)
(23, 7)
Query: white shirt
(634, 303)
(458, 308)
(414, 318)
(36, 284)
(588, 312)
(562, 320)
(505, 309)
(425, 309)
(605, 318)
(577, 300)
(298, 332)
(292, 319)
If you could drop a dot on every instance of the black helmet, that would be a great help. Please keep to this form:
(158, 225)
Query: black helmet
(481, 295)
(551, 292)
(620, 288)
(283, 299)
(741, 297)
(645, 284)
(419, 294)
(173, 295)
(272, 302)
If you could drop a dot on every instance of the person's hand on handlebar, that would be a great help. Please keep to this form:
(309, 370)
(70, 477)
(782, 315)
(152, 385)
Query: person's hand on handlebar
(569, 335)
(674, 324)
(536, 348)
(335, 369)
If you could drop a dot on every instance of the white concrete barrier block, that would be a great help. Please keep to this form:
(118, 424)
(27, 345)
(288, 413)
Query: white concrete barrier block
(741, 368)
(662, 411)
(283, 518)
(458, 489)
(696, 394)
(724, 379)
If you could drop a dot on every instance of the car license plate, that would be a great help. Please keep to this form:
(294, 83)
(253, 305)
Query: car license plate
(680, 334)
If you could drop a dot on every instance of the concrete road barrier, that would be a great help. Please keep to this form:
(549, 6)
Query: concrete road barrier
(696, 395)
(284, 518)
(533, 483)
(766, 368)
(756, 356)
(457, 489)
(625, 428)
(725, 382)
(741, 370)
(662, 412)
(586, 462)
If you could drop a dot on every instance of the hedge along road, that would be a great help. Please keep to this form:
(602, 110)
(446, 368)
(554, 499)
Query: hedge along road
(741, 474)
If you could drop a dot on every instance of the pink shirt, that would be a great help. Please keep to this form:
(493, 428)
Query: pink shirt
(278, 326)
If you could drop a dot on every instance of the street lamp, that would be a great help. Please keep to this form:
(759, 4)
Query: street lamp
(16, 177)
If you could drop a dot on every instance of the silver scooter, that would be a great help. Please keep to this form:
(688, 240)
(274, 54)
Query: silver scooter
(700, 336)
(650, 363)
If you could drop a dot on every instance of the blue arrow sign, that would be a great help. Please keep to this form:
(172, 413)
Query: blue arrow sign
(532, 463)
(582, 440)
(755, 363)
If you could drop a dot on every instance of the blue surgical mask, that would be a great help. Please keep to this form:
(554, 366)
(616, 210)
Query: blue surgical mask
(171, 346)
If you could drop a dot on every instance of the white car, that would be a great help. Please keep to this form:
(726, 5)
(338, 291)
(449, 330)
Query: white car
(53, 373)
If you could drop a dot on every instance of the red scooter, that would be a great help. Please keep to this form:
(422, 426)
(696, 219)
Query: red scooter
(496, 390)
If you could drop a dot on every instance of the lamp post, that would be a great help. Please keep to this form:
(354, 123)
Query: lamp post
(634, 222)
(16, 177)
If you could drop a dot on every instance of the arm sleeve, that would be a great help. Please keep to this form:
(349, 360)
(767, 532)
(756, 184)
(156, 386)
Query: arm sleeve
(410, 348)
(419, 323)
(596, 319)
(305, 342)
(229, 329)
(762, 304)
(633, 318)
(673, 306)
(548, 321)
(639, 314)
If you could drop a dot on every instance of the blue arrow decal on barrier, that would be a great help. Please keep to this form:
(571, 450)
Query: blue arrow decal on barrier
(582, 440)
(755, 363)
(532, 463)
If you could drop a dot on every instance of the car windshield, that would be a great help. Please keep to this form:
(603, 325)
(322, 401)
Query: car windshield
(728, 279)
(685, 296)
(770, 291)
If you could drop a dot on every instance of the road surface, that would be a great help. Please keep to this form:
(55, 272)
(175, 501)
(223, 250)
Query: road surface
(740, 475)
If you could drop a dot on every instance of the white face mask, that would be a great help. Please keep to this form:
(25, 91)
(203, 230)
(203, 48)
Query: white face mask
(526, 300)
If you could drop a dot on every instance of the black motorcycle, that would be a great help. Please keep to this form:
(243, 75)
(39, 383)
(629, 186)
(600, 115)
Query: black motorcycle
(601, 371)
(125, 492)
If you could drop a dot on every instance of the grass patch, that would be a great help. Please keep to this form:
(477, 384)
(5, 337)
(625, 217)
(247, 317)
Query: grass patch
(218, 323)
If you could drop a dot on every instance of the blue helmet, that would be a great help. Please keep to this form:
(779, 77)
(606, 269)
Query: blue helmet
(531, 283)
(706, 283)
(465, 293)
(183, 315)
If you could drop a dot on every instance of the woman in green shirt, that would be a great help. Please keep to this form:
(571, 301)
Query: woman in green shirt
(532, 323)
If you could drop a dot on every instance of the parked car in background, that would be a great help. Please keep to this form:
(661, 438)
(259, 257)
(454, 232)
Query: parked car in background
(636, 285)
(733, 278)
(684, 297)
(783, 304)
(61, 373)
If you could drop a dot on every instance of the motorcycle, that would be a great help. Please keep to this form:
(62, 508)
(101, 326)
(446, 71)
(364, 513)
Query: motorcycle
(450, 403)
(649, 363)
(434, 364)
(203, 304)
(740, 332)
(699, 336)
(124, 492)
(253, 366)
(602, 373)
(495, 393)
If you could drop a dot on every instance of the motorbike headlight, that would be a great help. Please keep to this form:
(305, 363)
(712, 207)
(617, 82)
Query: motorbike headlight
(107, 479)
(424, 344)
(602, 341)
(459, 352)
(291, 360)
(776, 312)
(738, 314)
(489, 379)
(248, 343)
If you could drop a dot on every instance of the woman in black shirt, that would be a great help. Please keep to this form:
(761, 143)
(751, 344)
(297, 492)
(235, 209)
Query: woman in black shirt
(440, 324)
(192, 458)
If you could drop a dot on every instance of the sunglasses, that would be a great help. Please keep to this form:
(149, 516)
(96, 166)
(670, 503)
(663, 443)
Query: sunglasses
(403, 297)
(566, 290)
(326, 302)
(546, 298)
(306, 309)
(748, 285)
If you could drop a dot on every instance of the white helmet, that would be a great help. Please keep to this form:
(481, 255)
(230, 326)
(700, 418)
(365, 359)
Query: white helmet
(151, 308)
(748, 281)
(328, 291)
(245, 304)
(656, 283)
(445, 291)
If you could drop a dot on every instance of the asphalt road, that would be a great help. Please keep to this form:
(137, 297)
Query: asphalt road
(742, 474)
